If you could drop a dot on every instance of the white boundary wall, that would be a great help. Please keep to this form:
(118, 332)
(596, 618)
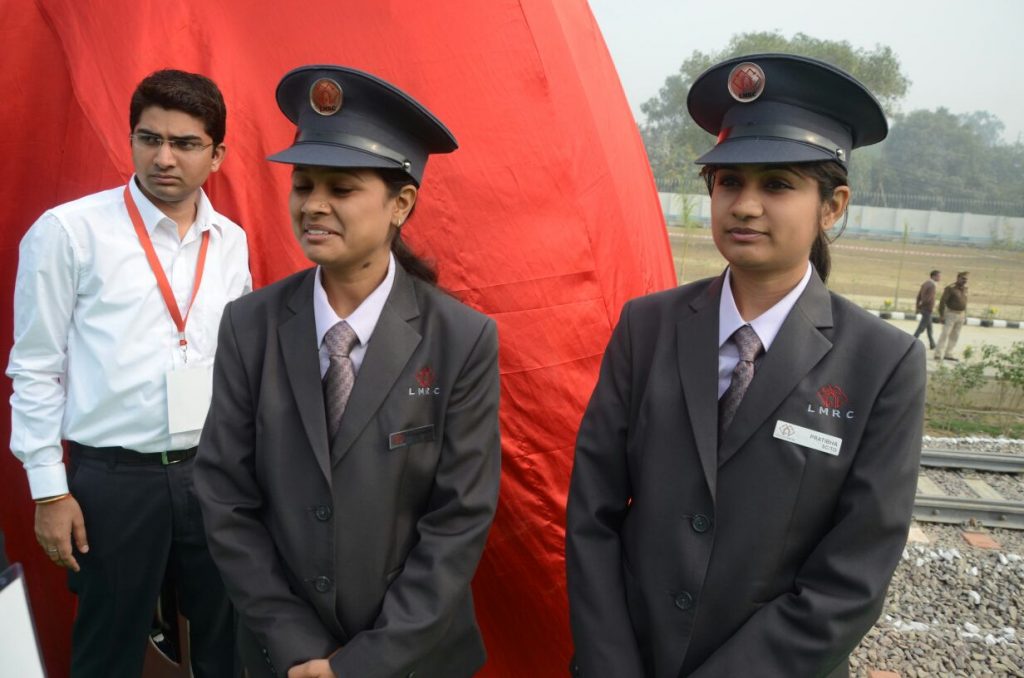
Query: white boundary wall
(886, 222)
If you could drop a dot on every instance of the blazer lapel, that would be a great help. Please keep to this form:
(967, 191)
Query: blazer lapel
(390, 348)
(696, 339)
(798, 347)
(297, 336)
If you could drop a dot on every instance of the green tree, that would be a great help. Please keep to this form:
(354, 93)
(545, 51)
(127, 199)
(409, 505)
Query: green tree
(939, 160)
(674, 141)
(985, 125)
(930, 151)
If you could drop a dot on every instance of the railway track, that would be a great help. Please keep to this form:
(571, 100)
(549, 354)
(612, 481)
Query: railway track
(988, 508)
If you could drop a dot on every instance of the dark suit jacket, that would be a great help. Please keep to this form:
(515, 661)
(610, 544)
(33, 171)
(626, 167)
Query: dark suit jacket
(370, 544)
(749, 556)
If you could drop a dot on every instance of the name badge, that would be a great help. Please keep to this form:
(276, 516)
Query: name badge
(807, 437)
(421, 434)
(189, 393)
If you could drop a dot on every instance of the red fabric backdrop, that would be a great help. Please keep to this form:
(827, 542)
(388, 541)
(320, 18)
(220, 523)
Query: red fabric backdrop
(546, 218)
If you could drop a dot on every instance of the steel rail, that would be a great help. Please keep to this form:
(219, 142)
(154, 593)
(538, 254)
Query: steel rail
(988, 461)
(955, 510)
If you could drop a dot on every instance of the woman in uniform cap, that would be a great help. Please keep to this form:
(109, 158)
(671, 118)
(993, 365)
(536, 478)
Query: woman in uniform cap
(349, 466)
(745, 470)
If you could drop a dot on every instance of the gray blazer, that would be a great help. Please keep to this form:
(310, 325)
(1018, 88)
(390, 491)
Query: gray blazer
(368, 544)
(749, 556)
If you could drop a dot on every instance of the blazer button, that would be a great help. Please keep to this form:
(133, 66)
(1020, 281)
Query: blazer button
(684, 601)
(323, 512)
(700, 523)
(322, 584)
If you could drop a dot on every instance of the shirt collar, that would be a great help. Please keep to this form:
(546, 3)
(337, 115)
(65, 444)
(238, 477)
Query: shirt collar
(766, 325)
(152, 216)
(364, 319)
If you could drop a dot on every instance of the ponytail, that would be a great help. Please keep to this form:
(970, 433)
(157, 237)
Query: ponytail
(414, 265)
(820, 257)
(830, 175)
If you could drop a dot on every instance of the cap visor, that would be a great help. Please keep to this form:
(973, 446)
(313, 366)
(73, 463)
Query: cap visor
(755, 151)
(331, 155)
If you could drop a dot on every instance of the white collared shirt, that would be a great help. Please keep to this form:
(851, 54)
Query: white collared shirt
(93, 340)
(766, 325)
(363, 320)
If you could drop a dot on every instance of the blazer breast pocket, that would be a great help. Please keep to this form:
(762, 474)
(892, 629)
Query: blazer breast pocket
(411, 436)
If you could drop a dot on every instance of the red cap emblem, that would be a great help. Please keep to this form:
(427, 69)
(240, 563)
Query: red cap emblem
(425, 377)
(832, 396)
(325, 96)
(746, 82)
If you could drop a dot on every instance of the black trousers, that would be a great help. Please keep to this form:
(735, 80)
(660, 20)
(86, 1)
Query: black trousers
(142, 522)
(925, 324)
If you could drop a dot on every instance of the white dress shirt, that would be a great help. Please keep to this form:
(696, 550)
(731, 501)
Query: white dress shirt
(363, 320)
(93, 339)
(766, 326)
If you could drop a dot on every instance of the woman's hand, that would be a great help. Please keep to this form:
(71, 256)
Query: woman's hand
(314, 668)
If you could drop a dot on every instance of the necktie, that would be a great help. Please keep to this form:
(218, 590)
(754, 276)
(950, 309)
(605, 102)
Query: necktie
(341, 373)
(750, 347)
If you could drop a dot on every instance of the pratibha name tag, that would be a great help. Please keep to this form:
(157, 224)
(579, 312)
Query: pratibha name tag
(807, 437)
(189, 393)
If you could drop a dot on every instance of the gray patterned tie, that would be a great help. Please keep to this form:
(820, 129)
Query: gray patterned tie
(341, 373)
(750, 347)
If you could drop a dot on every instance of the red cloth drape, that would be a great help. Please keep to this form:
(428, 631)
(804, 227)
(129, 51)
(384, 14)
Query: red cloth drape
(546, 218)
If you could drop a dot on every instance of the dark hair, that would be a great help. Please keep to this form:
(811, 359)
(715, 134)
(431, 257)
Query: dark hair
(934, 273)
(413, 264)
(190, 93)
(830, 175)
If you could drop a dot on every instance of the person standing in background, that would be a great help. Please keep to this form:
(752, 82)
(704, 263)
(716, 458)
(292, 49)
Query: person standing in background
(953, 311)
(925, 306)
(117, 302)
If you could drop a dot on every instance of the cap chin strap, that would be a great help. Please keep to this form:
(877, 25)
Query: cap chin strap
(354, 142)
(787, 132)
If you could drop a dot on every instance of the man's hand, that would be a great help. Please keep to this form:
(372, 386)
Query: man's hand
(315, 668)
(56, 524)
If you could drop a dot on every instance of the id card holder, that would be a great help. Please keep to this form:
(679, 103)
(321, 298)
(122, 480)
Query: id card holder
(189, 392)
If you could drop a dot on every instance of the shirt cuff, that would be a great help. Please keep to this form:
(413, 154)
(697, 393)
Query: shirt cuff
(47, 481)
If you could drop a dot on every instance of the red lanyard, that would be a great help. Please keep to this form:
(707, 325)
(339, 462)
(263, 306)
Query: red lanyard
(158, 270)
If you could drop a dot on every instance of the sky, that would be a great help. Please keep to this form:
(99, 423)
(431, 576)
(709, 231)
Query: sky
(965, 56)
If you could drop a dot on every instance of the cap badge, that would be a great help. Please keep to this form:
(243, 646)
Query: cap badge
(746, 82)
(325, 96)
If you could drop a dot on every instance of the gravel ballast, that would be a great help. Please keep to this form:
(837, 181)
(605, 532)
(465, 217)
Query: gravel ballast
(953, 609)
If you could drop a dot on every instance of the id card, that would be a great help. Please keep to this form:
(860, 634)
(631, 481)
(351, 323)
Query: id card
(189, 392)
(808, 437)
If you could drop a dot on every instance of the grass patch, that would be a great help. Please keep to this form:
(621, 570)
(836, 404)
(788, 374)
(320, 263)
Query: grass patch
(982, 395)
(987, 425)
(871, 271)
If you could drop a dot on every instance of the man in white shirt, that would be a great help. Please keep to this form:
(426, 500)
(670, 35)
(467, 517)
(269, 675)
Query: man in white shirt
(117, 303)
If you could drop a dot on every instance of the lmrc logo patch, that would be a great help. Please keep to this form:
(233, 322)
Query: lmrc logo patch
(425, 381)
(832, 400)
